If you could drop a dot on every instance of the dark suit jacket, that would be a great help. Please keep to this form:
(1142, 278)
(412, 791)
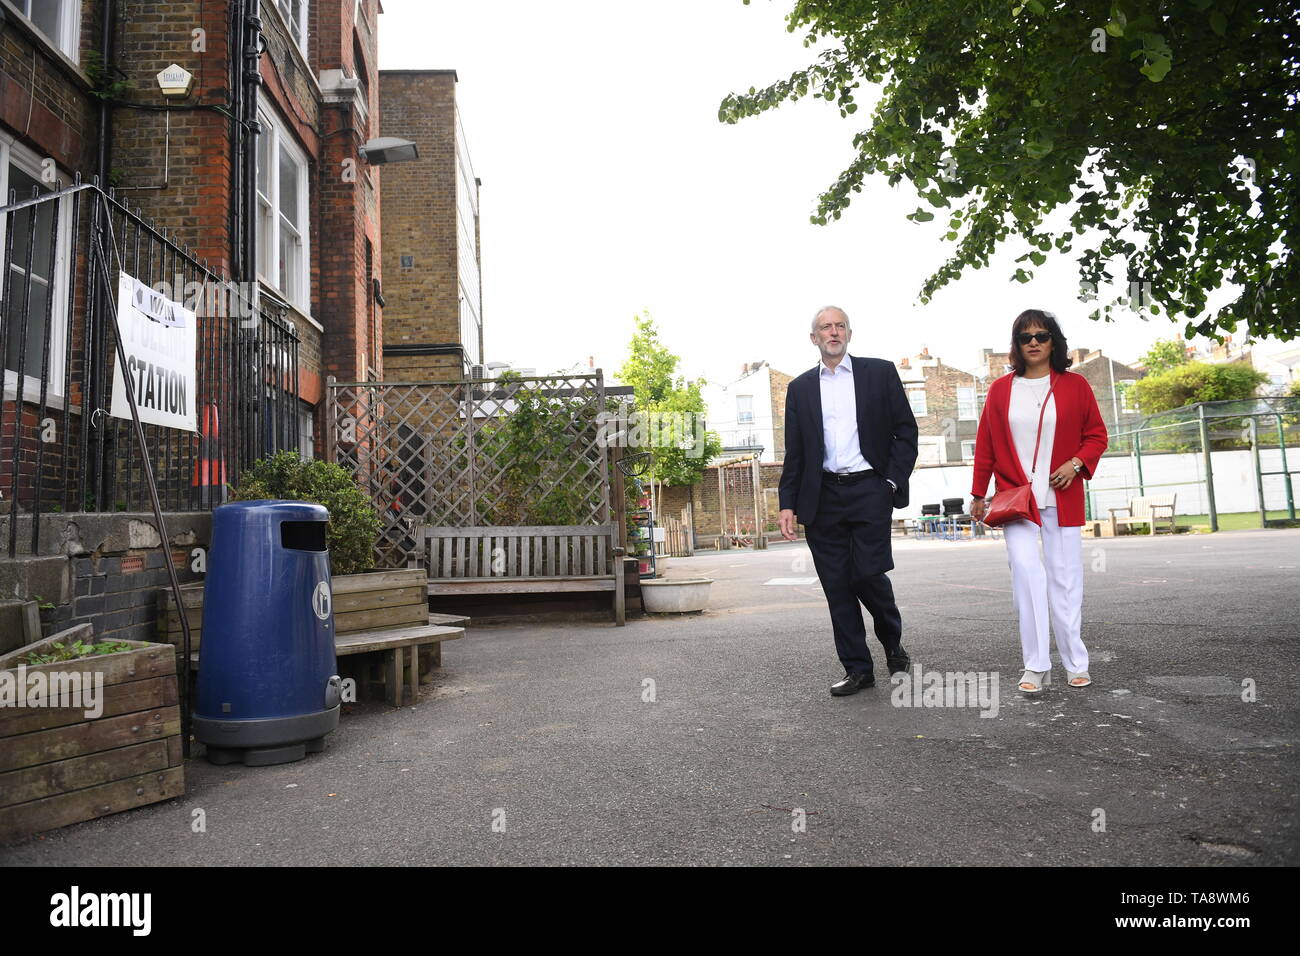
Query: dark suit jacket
(886, 433)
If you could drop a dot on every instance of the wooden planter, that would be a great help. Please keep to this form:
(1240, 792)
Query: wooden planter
(366, 605)
(58, 767)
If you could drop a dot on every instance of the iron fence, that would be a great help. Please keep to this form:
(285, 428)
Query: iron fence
(61, 449)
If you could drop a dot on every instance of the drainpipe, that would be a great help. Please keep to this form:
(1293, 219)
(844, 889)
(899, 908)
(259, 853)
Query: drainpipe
(102, 167)
(251, 79)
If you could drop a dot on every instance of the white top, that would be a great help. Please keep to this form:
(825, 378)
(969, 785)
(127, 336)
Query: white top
(1022, 416)
(843, 451)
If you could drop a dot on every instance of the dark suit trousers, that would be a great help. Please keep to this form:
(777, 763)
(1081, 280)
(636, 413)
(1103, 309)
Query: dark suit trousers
(850, 545)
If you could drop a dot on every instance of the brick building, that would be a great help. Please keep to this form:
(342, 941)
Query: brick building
(312, 200)
(254, 177)
(433, 325)
(946, 402)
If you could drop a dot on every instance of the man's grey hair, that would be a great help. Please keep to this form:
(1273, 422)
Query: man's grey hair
(827, 308)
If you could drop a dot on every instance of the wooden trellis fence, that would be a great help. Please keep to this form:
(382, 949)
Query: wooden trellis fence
(484, 452)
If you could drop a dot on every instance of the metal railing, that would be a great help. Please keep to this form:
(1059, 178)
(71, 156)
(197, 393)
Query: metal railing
(61, 449)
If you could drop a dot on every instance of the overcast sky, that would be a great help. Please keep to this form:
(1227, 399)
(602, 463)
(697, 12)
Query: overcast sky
(610, 187)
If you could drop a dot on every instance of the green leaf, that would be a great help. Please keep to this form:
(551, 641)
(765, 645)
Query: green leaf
(1219, 23)
(921, 215)
(1156, 70)
(1037, 149)
(1115, 29)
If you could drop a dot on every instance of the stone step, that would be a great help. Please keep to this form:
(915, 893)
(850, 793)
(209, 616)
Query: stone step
(28, 578)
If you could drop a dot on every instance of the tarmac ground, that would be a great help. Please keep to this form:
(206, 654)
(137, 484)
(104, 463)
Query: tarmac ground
(712, 738)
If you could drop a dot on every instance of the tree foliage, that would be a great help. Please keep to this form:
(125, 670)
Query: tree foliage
(1164, 355)
(353, 526)
(1168, 131)
(1196, 382)
(681, 447)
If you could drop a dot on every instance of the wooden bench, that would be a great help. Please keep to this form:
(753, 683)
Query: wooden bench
(525, 560)
(381, 613)
(1148, 510)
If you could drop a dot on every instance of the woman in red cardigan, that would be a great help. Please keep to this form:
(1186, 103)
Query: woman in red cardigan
(1073, 439)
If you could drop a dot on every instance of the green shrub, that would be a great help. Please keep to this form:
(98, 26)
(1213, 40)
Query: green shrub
(353, 527)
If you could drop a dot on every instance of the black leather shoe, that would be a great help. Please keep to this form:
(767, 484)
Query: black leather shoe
(852, 683)
(898, 662)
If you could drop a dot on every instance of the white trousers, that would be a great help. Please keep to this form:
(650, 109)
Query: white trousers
(1048, 585)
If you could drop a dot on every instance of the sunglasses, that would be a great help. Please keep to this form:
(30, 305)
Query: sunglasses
(1024, 338)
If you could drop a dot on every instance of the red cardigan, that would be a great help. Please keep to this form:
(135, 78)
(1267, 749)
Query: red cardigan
(1080, 433)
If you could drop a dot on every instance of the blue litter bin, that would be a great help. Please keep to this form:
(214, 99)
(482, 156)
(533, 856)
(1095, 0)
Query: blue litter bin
(268, 687)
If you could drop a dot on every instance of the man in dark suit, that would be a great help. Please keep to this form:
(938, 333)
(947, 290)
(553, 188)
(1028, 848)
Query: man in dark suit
(850, 445)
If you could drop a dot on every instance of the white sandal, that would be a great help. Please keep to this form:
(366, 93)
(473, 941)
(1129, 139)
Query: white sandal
(1036, 681)
(1071, 677)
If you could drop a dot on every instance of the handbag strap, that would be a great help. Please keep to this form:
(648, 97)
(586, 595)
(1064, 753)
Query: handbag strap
(1042, 410)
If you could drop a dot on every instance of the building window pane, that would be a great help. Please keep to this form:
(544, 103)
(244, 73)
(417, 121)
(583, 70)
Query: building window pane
(289, 174)
(916, 398)
(744, 408)
(32, 296)
(966, 405)
(47, 15)
(294, 12)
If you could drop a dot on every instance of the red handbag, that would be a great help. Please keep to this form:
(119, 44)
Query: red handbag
(1018, 504)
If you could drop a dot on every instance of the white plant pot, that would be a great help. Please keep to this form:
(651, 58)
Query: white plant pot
(664, 596)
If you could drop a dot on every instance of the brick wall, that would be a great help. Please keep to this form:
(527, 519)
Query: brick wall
(419, 201)
(780, 382)
(115, 586)
(45, 100)
(703, 502)
(195, 205)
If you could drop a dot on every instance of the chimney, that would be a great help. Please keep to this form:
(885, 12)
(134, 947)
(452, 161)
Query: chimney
(591, 361)
(904, 362)
(1077, 356)
(925, 352)
(744, 369)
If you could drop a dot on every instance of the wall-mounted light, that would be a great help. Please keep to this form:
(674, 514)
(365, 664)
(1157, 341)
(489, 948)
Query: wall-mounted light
(388, 149)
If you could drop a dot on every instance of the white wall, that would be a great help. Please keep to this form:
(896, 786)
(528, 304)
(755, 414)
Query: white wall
(720, 401)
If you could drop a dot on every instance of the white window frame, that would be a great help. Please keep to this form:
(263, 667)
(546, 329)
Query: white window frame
(967, 410)
(744, 417)
(968, 449)
(278, 139)
(919, 409)
(15, 153)
(306, 434)
(300, 27)
(68, 41)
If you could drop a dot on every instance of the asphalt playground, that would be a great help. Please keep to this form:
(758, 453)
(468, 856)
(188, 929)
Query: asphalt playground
(712, 738)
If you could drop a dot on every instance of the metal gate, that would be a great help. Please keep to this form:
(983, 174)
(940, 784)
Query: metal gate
(60, 450)
(483, 452)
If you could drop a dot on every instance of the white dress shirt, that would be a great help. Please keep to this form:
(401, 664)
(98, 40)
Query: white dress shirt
(1022, 416)
(843, 452)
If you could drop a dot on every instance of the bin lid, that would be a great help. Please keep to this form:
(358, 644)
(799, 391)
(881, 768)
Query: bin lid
(272, 508)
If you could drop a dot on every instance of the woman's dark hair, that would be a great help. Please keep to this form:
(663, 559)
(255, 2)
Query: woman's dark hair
(1060, 358)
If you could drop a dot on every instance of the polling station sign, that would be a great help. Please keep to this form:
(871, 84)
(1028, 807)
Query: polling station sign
(158, 336)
